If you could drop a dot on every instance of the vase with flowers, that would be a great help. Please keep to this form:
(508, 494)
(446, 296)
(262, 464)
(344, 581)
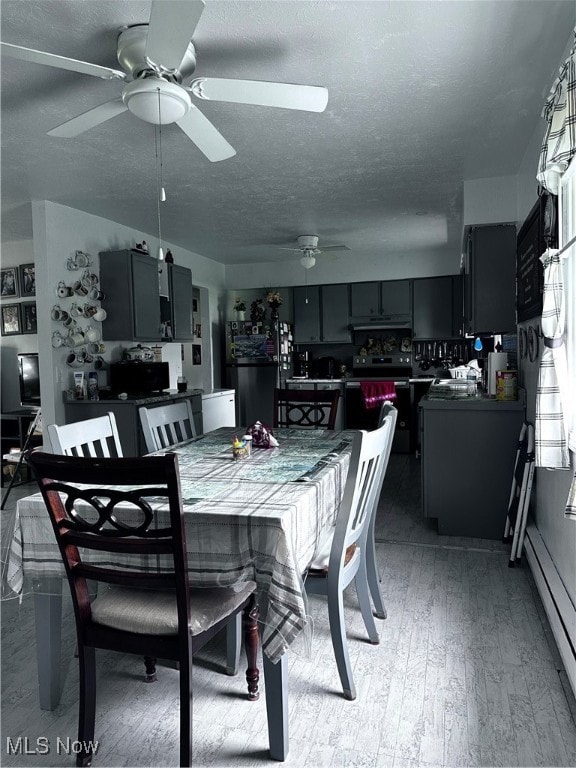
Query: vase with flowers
(257, 312)
(274, 301)
(240, 308)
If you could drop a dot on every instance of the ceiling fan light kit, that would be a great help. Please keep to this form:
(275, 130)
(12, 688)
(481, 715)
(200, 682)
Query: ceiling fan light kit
(142, 97)
(308, 260)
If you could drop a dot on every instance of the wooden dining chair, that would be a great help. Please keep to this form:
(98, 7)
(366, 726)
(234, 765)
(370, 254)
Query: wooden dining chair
(341, 556)
(106, 507)
(388, 416)
(167, 425)
(90, 437)
(306, 408)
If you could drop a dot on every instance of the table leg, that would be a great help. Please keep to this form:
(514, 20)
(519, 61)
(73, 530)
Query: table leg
(276, 687)
(48, 610)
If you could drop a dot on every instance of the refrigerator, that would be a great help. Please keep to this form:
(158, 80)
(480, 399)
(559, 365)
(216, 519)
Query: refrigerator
(258, 359)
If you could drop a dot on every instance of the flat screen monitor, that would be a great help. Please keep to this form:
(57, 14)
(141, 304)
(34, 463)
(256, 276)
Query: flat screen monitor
(29, 377)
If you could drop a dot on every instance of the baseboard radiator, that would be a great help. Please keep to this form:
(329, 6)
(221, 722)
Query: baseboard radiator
(557, 604)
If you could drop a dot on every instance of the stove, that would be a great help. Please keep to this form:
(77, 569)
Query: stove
(390, 366)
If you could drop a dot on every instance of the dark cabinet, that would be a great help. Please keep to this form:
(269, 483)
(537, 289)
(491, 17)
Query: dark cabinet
(306, 314)
(435, 315)
(129, 279)
(396, 299)
(180, 302)
(335, 313)
(364, 299)
(321, 313)
(489, 273)
(390, 300)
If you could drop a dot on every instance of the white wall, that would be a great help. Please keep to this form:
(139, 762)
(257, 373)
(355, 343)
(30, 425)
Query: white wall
(13, 254)
(343, 267)
(58, 232)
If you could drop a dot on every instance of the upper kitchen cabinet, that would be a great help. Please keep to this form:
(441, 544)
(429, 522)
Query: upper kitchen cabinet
(306, 307)
(129, 279)
(335, 313)
(364, 299)
(437, 307)
(390, 301)
(489, 272)
(180, 302)
(396, 300)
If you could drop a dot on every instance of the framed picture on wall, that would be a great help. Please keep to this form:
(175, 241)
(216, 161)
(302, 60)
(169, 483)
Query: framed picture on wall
(27, 280)
(196, 354)
(29, 321)
(10, 319)
(9, 283)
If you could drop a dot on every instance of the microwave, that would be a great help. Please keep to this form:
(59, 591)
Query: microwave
(136, 377)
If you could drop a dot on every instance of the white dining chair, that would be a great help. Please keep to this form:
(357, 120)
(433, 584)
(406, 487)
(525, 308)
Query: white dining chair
(388, 415)
(341, 556)
(167, 425)
(89, 438)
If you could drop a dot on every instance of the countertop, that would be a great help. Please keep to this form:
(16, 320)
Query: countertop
(107, 397)
(478, 403)
(412, 380)
(207, 395)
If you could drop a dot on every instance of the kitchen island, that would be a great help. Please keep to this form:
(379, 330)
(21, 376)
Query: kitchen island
(127, 416)
(468, 453)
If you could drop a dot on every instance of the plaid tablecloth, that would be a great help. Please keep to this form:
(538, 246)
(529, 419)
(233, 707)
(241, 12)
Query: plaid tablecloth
(258, 518)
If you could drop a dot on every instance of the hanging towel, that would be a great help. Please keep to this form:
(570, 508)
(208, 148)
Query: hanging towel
(374, 393)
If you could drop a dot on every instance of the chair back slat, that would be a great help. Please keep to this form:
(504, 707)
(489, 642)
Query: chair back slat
(167, 425)
(96, 437)
(306, 408)
(105, 505)
(370, 452)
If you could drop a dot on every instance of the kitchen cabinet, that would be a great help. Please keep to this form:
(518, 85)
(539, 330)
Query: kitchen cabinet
(468, 453)
(318, 384)
(437, 307)
(218, 409)
(180, 302)
(129, 279)
(489, 273)
(390, 300)
(396, 299)
(321, 313)
(364, 299)
(128, 418)
(335, 313)
(306, 302)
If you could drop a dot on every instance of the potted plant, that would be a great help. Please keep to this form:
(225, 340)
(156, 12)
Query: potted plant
(274, 301)
(239, 308)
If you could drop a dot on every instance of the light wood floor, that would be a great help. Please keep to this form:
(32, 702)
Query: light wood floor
(466, 673)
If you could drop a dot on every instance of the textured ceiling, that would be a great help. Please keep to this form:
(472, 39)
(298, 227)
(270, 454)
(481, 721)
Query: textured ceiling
(422, 96)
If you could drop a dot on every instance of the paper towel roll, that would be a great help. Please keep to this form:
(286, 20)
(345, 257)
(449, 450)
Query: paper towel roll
(497, 361)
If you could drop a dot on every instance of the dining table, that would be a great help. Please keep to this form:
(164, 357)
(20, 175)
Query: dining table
(260, 517)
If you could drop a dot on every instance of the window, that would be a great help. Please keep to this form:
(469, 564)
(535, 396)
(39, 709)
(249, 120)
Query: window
(567, 231)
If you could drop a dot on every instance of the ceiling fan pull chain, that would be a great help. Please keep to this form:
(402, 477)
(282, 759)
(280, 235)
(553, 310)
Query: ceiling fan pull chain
(159, 188)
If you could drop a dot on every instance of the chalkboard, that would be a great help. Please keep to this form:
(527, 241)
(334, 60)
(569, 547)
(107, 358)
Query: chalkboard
(529, 271)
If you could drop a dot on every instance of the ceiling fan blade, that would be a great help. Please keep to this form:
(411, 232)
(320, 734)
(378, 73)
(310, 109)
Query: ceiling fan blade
(311, 98)
(89, 119)
(61, 62)
(334, 248)
(172, 24)
(206, 136)
(283, 248)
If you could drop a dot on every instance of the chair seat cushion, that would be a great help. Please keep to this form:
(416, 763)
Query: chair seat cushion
(319, 566)
(148, 612)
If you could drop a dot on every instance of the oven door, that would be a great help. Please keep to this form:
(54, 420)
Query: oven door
(358, 417)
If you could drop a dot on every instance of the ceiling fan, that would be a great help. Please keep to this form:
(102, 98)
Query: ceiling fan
(157, 60)
(308, 244)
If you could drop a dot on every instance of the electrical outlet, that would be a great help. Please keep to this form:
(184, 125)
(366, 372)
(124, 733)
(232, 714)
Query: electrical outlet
(59, 377)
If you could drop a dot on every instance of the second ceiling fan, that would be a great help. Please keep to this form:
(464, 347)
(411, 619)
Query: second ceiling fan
(157, 61)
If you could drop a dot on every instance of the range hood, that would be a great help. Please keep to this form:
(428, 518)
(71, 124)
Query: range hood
(386, 323)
